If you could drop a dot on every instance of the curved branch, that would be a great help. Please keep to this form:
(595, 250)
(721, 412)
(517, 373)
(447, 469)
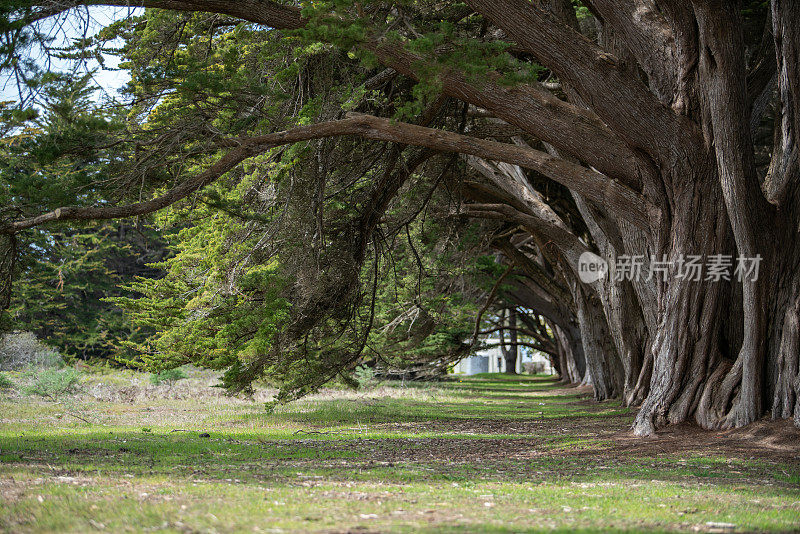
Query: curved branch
(568, 244)
(575, 130)
(534, 271)
(272, 14)
(621, 200)
(532, 296)
(649, 38)
(81, 213)
(620, 100)
(618, 198)
(572, 129)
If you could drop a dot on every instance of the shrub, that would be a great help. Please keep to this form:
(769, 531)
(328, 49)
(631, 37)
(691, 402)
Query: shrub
(365, 376)
(53, 383)
(167, 376)
(5, 383)
(21, 349)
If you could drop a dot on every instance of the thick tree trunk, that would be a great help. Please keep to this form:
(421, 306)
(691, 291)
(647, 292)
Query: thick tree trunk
(510, 350)
(620, 305)
(603, 367)
(571, 363)
(783, 368)
(687, 343)
(726, 353)
(782, 188)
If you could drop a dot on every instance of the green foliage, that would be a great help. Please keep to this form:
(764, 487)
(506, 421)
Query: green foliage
(19, 40)
(195, 318)
(431, 294)
(63, 154)
(6, 383)
(167, 376)
(54, 383)
(63, 277)
(581, 11)
(60, 154)
(364, 376)
(439, 36)
(227, 299)
(301, 263)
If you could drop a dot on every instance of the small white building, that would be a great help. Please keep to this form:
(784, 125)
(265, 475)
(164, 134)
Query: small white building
(491, 360)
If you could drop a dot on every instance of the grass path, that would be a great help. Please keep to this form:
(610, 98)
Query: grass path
(485, 454)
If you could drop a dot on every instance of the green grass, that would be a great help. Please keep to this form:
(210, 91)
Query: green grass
(486, 454)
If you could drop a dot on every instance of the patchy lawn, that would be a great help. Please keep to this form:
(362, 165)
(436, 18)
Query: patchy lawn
(484, 454)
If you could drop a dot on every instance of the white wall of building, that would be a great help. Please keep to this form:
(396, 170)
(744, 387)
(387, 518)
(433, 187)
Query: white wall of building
(492, 361)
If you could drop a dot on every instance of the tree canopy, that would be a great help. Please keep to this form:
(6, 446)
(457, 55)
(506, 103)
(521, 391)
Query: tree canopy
(373, 182)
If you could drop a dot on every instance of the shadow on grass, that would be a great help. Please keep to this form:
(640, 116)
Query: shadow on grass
(480, 455)
(487, 396)
(378, 460)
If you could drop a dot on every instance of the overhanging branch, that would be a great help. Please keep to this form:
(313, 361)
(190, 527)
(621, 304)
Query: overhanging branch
(623, 102)
(621, 200)
(272, 14)
(572, 129)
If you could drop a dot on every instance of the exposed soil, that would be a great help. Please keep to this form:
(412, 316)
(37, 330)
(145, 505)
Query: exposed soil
(570, 440)
(782, 446)
(764, 440)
